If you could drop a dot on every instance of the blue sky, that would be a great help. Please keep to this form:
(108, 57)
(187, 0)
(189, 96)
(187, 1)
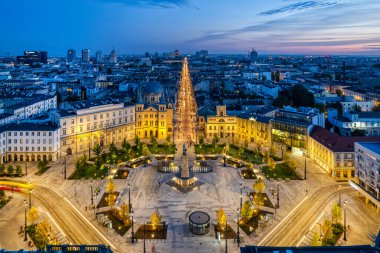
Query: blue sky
(220, 26)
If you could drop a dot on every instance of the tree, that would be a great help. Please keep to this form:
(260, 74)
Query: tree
(221, 219)
(124, 214)
(327, 230)
(245, 143)
(376, 108)
(321, 107)
(358, 132)
(272, 150)
(215, 140)
(357, 107)
(271, 163)
(246, 211)
(154, 143)
(137, 140)
(336, 213)
(2, 195)
(145, 150)
(155, 218)
(112, 148)
(97, 149)
(110, 188)
(281, 101)
(42, 232)
(316, 241)
(42, 165)
(80, 161)
(33, 215)
(167, 141)
(227, 148)
(2, 169)
(258, 199)
(339, 92)
(201, 139)
(18, 169)
(10, 169)
(259, 186)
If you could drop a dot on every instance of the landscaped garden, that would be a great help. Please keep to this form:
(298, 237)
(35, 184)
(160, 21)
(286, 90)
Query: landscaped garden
(4, 199)
(250, 217)
(121, 174)
(281, 171)
(248, 174)
(208, 149)
(10, 171)
(42, 167)
(119, 218)
(222, 227)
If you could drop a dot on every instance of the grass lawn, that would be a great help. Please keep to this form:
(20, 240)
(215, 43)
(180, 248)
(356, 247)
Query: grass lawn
(248, 174)
(89, 171)
(282, 171)
(42, 171)
(160, 232)
(3, 199)
(247, 155)
(208, 149)
(162, 149)
(117, 225)
(231, 234)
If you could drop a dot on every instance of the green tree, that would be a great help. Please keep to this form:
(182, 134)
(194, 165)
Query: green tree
(316, 240)
(168, 141)
(2, 169)
(42, 165)
(153, 142)
(80, 162)
(110, 188)
(227, 148)
(245, 143)
(215, 140)
(357, 107)
(272, 150)
(42, 232)
(259, 186)
(124, 214)
(10, 169)
(327, 231)
(137, 140)
(145, 150)
(358, 132)
(221, 219)
(339, 92)
(271, 163)
(97, 149)
(246, 211)
(336, 213)
(18, 169)
(33, 215)
(201, 139)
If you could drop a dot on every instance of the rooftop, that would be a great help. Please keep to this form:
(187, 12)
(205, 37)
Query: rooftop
(372, 146)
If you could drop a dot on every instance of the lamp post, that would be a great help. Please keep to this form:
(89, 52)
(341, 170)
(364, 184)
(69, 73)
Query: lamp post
(30, 195)
(340, 204)
(92, 195)
(89, 150)
(345, 217)
(225, 235)
(278, 194)
(320, 231)
(241, 196)
(305, 167)
(144, 238)
(238, 229)
(129, 198)
(133, 231)
(64, 168)
(26, 206)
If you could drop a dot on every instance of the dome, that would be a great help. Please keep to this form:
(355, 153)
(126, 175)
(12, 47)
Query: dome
(152, 88)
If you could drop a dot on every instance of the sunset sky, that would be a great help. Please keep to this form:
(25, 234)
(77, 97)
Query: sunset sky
(220, 26)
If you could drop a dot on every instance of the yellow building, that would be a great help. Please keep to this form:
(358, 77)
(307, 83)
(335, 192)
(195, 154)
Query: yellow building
(237, 129)
(333, 153)
(154, 115)
(87, 123)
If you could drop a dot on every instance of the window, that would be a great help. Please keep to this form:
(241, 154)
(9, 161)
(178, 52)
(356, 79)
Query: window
(38, 133)
(27, 134)
(50, 133)
(64, 131)
(15, 133)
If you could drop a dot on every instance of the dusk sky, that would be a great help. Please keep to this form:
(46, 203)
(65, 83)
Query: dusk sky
(220, 26)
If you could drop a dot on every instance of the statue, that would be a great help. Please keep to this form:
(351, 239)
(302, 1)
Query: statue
(184, 149)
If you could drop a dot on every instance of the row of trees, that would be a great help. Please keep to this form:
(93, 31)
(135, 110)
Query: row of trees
(10, 170)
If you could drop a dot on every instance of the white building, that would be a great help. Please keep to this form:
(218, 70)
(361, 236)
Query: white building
(367, 163)
(87, 123)
(29, 142)
(350, 103)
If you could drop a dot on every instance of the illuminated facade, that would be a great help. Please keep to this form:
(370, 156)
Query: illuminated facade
(238, 129)
(154, 114)
(87, 123)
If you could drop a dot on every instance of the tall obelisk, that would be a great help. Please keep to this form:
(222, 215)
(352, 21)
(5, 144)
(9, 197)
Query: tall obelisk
(185, 163)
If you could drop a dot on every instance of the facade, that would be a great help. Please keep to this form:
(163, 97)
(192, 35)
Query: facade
(367, 121)
(154, 114)
(29, 142)
(87, 123)
(367, 163)
(290, 128)
(333, 153)
(253, 56)
(86, 55)
(113, 56)
(71, 55)
(99, 56)
(350, 103)
(223, 125)
(31, 57)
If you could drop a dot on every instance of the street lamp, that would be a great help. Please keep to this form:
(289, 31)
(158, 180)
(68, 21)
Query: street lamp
(26, 206)
(278, 194)
(238, 230)
(225, 235)
(133, 231)
(92, 196)
(345, 227)
(30, 195)
(320, 231)
(129, 198)
(340, 204)
(144, 238)
(241, 196)
(64, 168)
(305, 166)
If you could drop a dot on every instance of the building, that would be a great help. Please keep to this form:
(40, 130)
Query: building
(203, 54)
(29, 142)
(103, 121)
(222, 125)
(113, 56)
(350, 104)
(290, 127)
(355, 120)
(31, 57)
(361, 94)
(86, 55)
(154, 113)
(253, 56)
(333, 153)
(71, 55)
(99, 56)
(367, 164)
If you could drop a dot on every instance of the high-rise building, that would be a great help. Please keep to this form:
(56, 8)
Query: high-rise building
(31, 57)
(71, 55)
(99, 56)
(86, 55)
(253, 55)
(113, 56)
(201, 54)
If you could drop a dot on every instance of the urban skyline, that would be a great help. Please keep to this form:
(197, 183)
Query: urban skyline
(279, 27)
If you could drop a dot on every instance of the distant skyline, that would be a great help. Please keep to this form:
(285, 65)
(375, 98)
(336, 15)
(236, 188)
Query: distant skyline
(219, 26)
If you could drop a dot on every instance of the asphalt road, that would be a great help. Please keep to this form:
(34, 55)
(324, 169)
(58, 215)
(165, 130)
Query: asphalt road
(290, 230)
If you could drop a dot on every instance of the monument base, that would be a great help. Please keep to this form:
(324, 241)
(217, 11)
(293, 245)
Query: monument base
(184, 184)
